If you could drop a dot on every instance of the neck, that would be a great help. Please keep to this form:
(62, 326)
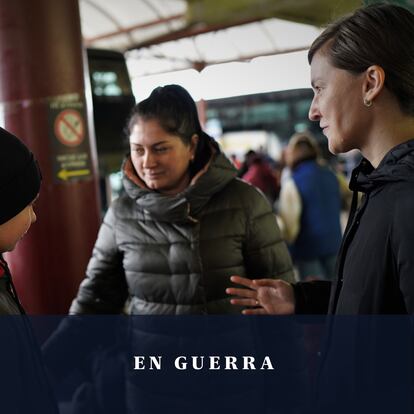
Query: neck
(386, 136)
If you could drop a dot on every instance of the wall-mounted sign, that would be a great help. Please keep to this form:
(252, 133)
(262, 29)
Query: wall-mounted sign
(70, 140)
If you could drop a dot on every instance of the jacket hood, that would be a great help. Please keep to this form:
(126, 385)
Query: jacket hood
(397, 165)
(213, 177)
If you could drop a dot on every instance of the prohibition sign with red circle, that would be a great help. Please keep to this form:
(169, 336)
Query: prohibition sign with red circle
(69, 127)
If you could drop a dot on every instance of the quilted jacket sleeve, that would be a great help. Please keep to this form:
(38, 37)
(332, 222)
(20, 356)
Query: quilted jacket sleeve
(104, 289)
(266, 254)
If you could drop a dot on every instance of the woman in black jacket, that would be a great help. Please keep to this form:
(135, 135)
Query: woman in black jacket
(362, 70)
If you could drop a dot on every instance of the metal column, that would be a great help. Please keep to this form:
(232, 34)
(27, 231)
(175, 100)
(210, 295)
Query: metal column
(43, 101)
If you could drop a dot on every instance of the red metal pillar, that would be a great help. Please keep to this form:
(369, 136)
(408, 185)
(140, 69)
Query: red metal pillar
(42, 101)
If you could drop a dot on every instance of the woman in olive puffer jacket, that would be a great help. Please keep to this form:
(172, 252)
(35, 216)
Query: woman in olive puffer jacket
(184, 225)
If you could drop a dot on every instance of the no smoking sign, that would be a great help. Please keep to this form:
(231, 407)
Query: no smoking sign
(70, 127)
(68, 133)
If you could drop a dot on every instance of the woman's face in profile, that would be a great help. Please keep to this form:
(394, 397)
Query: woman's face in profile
(338, 104)
(160, 158)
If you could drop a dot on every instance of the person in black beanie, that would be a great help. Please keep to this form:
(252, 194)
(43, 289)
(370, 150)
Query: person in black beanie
(21, 363)
(20, 179)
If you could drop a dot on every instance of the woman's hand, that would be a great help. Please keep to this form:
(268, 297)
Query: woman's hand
(263, 296)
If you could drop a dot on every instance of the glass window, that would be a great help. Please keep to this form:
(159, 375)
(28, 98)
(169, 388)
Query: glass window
(106, 83)
(109, 78)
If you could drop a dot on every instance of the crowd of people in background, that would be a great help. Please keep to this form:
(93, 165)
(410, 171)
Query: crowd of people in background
(310, 197)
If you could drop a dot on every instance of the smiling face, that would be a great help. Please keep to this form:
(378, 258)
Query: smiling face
(13, 230)
(338, 104)
(161, 159)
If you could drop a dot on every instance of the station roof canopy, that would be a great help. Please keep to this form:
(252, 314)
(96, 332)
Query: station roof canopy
(167, 35)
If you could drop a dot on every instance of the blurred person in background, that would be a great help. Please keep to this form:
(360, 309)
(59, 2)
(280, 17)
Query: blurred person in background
(310, 206)
(260, 174)
(248, 157)
(236, 162)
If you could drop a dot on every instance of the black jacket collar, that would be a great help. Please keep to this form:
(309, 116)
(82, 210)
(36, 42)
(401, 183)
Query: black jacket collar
(397, 165)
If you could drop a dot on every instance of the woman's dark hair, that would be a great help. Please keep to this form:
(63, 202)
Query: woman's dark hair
(379, 34)
(175, 110)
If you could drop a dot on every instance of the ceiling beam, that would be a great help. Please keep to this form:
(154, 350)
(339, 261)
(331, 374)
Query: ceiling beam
(199, 66)
(189, 31)
(126, 30)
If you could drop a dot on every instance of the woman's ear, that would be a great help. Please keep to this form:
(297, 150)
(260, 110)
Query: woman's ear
(373, 83)
(193, 145)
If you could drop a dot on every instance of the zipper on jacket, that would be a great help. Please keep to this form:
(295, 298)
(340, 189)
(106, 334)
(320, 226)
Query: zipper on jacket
(190, 217)
(352, 226)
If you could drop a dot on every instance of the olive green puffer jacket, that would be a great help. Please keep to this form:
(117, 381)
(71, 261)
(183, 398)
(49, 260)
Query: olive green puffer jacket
(175, 255)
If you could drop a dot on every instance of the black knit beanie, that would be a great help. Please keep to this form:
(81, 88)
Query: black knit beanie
(19, 176)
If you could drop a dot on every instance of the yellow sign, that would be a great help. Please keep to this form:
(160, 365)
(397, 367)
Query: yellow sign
(65, 174)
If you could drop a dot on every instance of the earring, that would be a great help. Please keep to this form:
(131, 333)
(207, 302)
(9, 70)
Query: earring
(367, 102)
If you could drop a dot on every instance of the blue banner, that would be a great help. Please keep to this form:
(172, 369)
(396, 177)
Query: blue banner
(205, 364)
